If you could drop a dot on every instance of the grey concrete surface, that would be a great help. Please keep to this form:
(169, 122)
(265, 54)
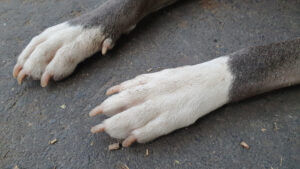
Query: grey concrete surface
(188, 32)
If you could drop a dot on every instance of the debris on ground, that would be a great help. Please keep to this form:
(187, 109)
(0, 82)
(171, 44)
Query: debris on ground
(63, 106)
(149, 70)
(16, 167)
(53, 141)
(115, 146)
(245, 145)
(147, 152)
(5, 154)
(123, 166)
(176, 162)
(275, 126)
(263, 129)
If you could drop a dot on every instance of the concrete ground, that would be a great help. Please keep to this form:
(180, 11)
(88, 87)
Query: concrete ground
(188, 32)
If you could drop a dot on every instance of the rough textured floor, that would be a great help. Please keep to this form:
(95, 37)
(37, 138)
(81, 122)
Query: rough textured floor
(188, 32)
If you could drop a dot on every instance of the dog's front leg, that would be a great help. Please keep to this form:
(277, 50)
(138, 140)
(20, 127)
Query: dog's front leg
(56, 52)
(155, 104)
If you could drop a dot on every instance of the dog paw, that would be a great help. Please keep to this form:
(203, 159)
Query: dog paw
(56, 52)
(152, 105)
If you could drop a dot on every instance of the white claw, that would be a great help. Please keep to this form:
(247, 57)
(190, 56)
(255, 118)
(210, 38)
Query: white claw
(107, 45)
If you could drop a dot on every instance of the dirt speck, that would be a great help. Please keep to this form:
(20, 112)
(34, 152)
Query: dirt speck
(245, 145)
(115, 146)
(53, 141)
(149, 70)
(63, 106)
(147, 152)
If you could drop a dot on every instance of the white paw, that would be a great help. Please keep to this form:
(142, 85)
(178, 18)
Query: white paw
(152, 105)
(56, 52)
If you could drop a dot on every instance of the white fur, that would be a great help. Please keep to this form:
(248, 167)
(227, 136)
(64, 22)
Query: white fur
(152, 105)
(59, 49)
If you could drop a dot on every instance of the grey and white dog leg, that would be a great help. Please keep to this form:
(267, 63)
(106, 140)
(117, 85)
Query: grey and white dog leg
(56, 52)
(261, 69)
(155, 104)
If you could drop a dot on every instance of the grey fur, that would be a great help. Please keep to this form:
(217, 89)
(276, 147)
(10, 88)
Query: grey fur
(264, 68)
(118, 16)
(255, 70)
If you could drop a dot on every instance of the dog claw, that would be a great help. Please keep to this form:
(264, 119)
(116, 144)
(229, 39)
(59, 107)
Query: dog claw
(107, 45)
(113, 90)
(21, 76)
(129, 141)
(45, 79)
(17, 70)
(96, 111)
(98, 128)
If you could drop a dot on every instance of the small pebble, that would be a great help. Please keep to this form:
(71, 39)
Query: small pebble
(53, 141)
(114, 146)
(63, 106)
(147, 152)
(245, 145)
(124, 166)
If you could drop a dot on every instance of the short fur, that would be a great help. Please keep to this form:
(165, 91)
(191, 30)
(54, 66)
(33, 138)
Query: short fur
(264, 68)
(155, 104)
